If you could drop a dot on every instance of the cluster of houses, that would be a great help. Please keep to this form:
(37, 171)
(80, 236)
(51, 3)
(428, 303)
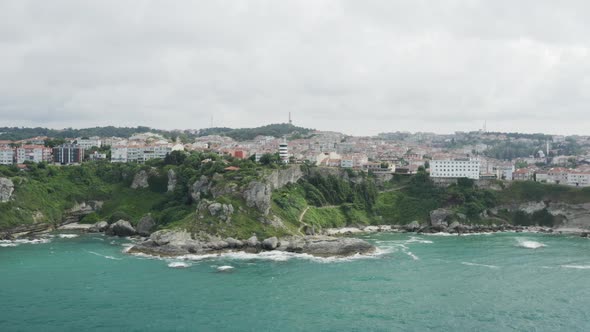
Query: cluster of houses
(389, 153)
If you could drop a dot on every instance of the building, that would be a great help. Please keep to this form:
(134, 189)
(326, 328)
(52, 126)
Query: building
(32, 153)
(579, 179)
(457, 168)
(346, 163)
(522, 174)
(139, 153)
(284, 152)
(87, 143)
(68, 154)
(504, 172)
(6, 156)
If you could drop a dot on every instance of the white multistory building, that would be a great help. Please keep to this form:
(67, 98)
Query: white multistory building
(455, 168)
(284, 152)
(6, 156)
(87, 143)
(139, 153)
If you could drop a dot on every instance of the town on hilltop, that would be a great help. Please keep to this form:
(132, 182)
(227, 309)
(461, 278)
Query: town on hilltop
(477, 155)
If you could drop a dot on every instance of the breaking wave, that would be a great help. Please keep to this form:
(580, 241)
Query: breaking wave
(15, 243)
(579, 267)
(528, 244)
(482, 265)
(178, 265)
(105, 256)
(68, 236)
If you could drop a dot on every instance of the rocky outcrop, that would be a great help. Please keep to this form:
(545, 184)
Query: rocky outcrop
(79, 211)
(199, 188)
(172, 180)
(145, 225)
(100, 226)
(140, 180)
(6, 189)
(258, 193)
(180, 242)
(439, 217)
(270, 243)
(414, 226)
(121, 228)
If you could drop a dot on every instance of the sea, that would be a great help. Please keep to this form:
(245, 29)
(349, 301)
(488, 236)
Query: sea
(484, 282)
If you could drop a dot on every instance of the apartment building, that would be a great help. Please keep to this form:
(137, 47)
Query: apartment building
(68, 154)
(455, 168)
(32, 153)
(6, 156)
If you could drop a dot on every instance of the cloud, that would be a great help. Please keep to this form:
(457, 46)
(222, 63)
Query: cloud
(359, 67)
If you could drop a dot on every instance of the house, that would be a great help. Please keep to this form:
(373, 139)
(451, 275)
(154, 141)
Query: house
(579, 179)
(522, 174)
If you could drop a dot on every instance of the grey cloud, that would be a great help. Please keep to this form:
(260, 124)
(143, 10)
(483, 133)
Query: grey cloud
(355, 66)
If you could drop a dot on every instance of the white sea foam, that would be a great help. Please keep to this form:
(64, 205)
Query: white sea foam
(579, 267)
(14, 243)
(105, 256)
(225, 268)
(67, 236)
(528, 244)
(482, 265)
(178, 265)
(415, 239)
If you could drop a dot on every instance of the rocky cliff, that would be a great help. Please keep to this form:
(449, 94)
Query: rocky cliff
(258, 193)
(567, 215)
(6, 189)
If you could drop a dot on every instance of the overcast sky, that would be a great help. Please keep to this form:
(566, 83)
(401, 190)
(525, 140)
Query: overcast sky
(359, 67)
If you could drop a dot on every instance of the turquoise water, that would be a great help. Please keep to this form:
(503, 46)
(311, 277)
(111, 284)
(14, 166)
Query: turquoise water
(417, 283)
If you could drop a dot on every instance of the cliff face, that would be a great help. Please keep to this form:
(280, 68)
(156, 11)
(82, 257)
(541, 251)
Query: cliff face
(569, 215)
(258, 193)
(6, 189)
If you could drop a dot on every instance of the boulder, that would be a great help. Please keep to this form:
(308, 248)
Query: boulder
(325, 246)
(252, 242)
(6, 189)
(145, 225)
(215, 208)
(121, 228)
(100, 226)
(270, 243)
(140, 180)
(413, 226)
(171, 237)
(200, 187)
(455, 225)
(233, 243)
(216, 245)
(439, 217)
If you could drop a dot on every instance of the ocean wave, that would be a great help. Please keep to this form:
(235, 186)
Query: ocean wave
(579, 267)
(415, 239)
(528, 244)
(18, 242)
(68, 236)
(482, 265)
(178, 265)
(275, 255)
(455, 234)
(105, 256)
(225, 268)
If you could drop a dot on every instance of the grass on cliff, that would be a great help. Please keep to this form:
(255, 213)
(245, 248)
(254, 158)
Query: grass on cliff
(525, 191)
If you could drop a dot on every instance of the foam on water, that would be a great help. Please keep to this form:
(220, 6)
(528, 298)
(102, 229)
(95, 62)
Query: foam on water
(178, 265)
(528, 244)
(18, 242)
(579, 267)
(482, 265)
(67, 236)
(105, 256)
(225, 268)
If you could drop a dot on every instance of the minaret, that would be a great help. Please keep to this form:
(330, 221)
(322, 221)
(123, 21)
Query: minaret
(290, 121)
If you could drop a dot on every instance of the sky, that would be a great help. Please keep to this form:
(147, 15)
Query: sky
(359, 67)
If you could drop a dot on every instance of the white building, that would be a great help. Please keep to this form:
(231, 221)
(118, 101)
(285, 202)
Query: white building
(88, 143)
(6, 156)
(579, 179)
(458, 168)
(284, 152)
(139, 153)
(32, 153)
